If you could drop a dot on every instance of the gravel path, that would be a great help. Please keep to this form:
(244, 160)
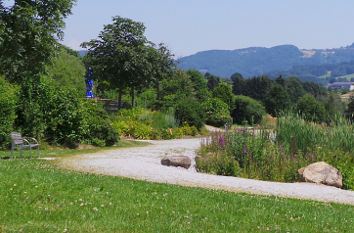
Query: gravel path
(143, 163)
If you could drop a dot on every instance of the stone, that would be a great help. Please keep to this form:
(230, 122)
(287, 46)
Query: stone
(177, 161)
(322, 173)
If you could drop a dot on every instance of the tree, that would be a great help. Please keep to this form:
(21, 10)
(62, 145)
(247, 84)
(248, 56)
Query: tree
(258, 88)
(247, 110)
(334, 106)
(294, 88)
(311, 109)
(213, 81)
(223, 91)
(188, 111)
(8, 102)
(29, 33)
(238, 84)
(123, 56)
(350, 110)
(30, 29)
(217, 112)
(178, 86)
(277, 100)
(200, 85)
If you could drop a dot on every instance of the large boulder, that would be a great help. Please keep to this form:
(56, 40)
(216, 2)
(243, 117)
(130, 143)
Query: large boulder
(322, 173)
(177, 161)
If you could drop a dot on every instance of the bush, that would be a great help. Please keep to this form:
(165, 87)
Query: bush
(145, 124)
(217, 112)
(8, 103)
(218, 165)
(247, 110)
(96, 126)
(189, 111)
(311, 109)
(69, 120)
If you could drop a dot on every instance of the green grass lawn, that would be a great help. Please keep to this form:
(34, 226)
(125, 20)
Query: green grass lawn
(37, 197)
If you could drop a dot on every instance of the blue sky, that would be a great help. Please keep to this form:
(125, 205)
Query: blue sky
(189, 26)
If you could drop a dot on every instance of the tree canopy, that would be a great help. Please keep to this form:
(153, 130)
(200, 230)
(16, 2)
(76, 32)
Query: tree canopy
(29, 32)
(123, 56)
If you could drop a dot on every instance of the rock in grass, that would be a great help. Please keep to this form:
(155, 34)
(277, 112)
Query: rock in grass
(322, 173)
(177, 161)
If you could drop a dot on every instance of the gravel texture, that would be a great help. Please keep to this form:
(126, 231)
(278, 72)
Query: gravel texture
(144, 163)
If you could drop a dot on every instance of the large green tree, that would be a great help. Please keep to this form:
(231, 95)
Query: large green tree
(125, 58)
(29, 33)
(311, 109)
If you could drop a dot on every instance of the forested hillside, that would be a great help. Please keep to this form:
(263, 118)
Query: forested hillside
(275, 61)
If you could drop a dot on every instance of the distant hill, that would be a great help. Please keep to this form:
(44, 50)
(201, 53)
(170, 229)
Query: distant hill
(284, 59)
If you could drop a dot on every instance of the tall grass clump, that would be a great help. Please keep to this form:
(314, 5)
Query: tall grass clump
(341, 135)
(296, 134)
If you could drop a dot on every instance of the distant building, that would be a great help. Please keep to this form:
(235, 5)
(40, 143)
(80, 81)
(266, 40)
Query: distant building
(341, 86)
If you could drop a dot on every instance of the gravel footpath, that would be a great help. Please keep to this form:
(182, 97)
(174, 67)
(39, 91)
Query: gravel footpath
(144, 163)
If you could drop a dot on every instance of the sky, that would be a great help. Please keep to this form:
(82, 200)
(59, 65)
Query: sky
(189, 26)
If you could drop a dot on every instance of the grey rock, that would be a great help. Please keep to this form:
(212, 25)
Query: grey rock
(177, 161)
(322, 173)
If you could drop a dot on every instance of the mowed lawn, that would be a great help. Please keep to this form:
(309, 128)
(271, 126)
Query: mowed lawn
(35, 196)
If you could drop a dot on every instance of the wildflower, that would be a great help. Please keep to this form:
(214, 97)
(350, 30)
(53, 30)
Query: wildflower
(95, 209)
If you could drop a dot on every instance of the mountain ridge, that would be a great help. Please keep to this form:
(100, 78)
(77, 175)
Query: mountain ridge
(254, 61)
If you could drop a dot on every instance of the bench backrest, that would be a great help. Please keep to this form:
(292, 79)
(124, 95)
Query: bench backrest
(16, 138)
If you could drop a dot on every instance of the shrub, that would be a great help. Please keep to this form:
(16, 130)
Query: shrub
(311, 109)
(217, 112)
(189, 111)
(69, 120)
(96, 126)
(247, 110)
(218, 164)
(146, 124)
(8, 103)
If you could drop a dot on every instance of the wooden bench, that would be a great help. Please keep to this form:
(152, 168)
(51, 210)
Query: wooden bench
(20, 143)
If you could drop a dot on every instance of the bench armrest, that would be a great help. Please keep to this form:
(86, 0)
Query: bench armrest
(33, 140)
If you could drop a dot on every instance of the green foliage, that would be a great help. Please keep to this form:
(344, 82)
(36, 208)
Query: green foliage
(68, 71)
(141, 123)
(65, 118)
(223, 91)
(189, 111)
(123, 56)
(29, 35)
(311, 109)
(96, 126)
(179, 86)
(8, 104)
(298, 134)
(217, 112)
(199, 84)
(247, 110)
(218, 164)
(277, 101)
